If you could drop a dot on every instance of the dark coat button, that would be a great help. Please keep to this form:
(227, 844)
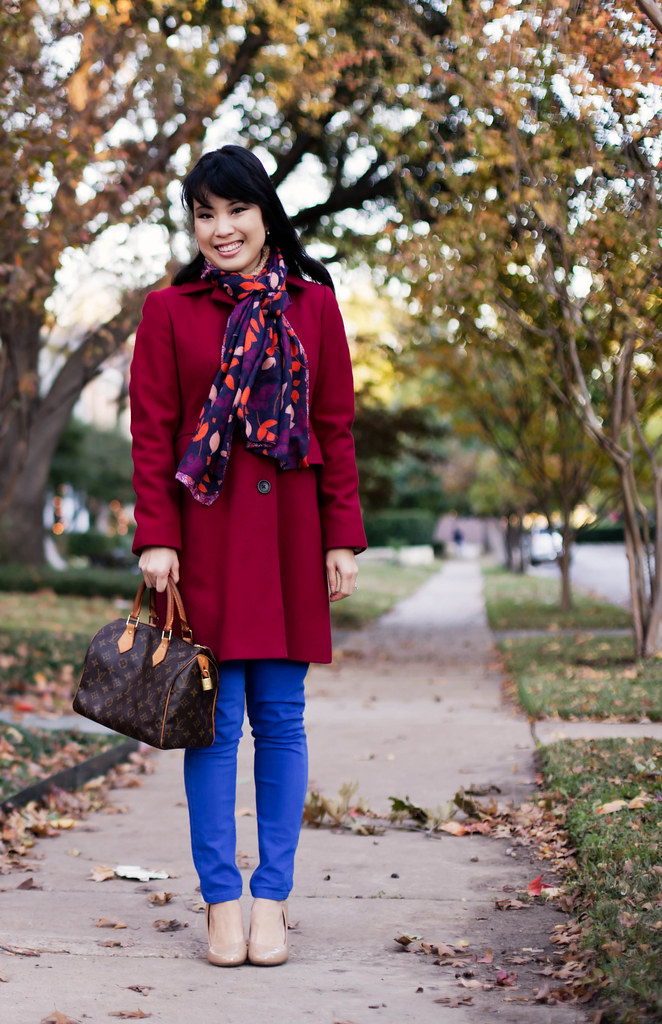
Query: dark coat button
(263, 486)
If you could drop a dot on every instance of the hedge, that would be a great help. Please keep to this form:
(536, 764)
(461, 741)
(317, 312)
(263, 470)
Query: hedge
(82, 582)
(400, 527)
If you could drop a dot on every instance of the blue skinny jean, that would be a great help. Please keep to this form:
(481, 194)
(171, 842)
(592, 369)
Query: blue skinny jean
(273, 693)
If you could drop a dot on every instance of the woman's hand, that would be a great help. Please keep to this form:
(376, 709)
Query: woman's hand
(157, 564)
(341, 572)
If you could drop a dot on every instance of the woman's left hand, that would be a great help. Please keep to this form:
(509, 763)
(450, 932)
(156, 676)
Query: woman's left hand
(341, 572)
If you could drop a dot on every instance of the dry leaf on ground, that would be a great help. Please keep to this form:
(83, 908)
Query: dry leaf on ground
(129, 1014)
(58, 1018)
(101, 873)
(158, 899)
(510, 904)
(142, 989)
(19, 951)
(455, 1002)
(29, 883)
(110, 922)
(506, 980)
(163, 925)
(488, 958)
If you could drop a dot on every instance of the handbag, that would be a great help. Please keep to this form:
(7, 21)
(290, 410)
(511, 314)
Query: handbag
(148, 684)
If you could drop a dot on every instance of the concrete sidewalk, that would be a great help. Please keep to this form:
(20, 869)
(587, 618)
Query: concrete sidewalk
(411, 707)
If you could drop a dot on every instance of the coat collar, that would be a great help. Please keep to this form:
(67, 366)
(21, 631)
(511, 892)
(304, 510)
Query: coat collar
(191, 287)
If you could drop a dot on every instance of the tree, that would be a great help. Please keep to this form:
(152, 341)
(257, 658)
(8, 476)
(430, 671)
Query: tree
(548, 234)
(105, 103)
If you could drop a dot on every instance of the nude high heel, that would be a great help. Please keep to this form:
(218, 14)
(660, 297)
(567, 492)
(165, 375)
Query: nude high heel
(225, 932)
(267, 939)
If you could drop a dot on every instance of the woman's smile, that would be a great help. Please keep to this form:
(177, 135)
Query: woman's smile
(230, 233)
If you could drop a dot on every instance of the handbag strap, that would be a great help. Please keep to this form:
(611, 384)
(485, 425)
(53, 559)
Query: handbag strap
(173, 600)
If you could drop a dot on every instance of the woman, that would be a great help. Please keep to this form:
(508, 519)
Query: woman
(246, 494)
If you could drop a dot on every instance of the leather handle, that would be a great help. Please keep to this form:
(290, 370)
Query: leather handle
(173, 600)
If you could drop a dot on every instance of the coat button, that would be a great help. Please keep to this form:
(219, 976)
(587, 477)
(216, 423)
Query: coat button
(264, 486)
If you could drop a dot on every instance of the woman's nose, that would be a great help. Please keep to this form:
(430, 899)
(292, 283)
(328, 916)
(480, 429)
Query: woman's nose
(222, 227)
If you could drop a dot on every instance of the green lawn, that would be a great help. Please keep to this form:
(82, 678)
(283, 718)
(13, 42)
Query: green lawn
(618, 874)
(583, 676)
(519, 601)
(381, 585)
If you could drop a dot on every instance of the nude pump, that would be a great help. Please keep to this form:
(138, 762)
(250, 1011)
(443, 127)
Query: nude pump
(267, 940)
(225, 933)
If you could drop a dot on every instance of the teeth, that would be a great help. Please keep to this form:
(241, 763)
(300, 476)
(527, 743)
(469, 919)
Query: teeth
(228, 248)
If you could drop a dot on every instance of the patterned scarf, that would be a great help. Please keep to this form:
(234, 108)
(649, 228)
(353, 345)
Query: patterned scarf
(262, 383)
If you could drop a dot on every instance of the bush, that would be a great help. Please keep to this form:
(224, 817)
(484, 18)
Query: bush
(399, 527)
(603, 533)
(101, 549)
(83, 582)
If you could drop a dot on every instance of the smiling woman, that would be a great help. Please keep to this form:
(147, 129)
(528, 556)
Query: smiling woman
(231, 234)
(247, 494)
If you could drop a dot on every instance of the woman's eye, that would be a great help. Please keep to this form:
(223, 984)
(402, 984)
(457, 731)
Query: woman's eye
(239, 209)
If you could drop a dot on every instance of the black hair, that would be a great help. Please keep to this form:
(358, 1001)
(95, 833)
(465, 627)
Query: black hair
(233, 172)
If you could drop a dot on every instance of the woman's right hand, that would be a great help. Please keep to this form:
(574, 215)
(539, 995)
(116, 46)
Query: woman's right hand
(157, 564)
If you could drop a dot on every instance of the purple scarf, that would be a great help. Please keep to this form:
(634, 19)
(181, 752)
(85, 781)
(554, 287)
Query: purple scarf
(262, 383)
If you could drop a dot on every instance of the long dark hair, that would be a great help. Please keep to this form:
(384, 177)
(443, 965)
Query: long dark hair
(233, 172)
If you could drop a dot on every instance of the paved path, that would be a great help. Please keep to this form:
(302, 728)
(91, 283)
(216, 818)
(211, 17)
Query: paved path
(411, 708)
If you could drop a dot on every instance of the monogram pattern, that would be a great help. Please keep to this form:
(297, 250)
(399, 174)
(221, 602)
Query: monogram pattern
(262, 384)
(163, 705)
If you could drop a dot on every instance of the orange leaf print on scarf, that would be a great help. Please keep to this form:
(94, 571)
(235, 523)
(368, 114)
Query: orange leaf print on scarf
(245, 394)
(263, 429)
(201, 432)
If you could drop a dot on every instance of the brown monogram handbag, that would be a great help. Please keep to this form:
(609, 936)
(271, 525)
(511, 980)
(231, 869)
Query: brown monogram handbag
(148, 684)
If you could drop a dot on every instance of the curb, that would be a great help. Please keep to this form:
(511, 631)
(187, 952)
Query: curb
(73, 778)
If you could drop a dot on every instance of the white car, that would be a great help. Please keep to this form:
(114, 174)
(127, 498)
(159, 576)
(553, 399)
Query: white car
(544, 546)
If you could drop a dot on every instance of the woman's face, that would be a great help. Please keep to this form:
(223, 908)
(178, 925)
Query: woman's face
(230, 233)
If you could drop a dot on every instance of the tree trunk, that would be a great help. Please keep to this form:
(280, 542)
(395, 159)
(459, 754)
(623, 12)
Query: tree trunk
(566, 602)
(636, 555)
(653, 633)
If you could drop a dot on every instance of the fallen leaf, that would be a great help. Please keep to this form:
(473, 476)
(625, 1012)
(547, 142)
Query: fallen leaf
(65, 823)
(101, 873)
(510, 904)
(473, 983)
(29, 883)
(406, 940)
(505, 980)
(542, 994)
(534, 888)
(487, 959)
(3, 977)
(110, 922)
(19, 951)
(245, 812)
(142, 989)
(113, 944)
(58, 1018)
(454, 828)
(455, 1003)
(611, 807)
(158, 899)
(162, 925)
(129, 1014)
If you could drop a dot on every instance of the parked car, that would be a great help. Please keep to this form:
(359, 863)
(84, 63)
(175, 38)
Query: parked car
(544, 545)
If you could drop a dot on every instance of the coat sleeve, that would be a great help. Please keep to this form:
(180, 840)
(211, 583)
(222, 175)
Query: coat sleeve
(155, 415)
(331, 417)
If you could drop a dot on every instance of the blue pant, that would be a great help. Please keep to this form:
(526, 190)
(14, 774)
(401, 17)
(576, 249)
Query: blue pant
(273, 692)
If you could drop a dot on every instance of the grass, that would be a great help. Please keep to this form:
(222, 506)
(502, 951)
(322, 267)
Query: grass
(618, 874)
(30, 755)
(43, 641)
(583, 676)
(44, 636)
(381, 585)
(518, 601)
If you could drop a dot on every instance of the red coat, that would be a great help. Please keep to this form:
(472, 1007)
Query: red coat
(252, 564)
